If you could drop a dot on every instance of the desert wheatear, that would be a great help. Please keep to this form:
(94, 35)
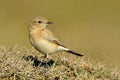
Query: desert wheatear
(43, 39)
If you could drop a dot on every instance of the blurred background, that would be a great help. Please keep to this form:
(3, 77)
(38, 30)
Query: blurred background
(88, 26)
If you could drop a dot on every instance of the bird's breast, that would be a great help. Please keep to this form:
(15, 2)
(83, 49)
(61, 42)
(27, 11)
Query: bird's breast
(43, 45)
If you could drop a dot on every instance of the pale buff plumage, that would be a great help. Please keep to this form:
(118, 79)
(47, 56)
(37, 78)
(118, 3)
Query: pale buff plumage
(43, 39)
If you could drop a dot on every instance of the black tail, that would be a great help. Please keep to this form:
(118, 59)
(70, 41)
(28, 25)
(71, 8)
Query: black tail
(72, 52)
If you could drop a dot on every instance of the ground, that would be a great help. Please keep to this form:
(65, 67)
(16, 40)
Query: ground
(27, 64)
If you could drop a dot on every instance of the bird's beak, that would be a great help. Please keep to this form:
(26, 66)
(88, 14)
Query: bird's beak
(49, 22)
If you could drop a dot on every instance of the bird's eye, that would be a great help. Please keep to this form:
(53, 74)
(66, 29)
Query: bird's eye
(39, 21)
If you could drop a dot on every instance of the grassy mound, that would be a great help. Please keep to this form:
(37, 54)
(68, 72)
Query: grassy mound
(22, 64)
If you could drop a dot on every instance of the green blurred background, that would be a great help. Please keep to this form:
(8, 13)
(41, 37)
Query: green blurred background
(88, 26)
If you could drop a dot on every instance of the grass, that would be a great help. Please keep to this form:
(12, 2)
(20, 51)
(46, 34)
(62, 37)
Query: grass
(26, 64)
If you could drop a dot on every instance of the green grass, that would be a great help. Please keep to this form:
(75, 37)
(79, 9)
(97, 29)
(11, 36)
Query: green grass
(22, 64)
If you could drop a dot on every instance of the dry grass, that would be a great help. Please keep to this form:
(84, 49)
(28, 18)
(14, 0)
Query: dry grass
(21, 64)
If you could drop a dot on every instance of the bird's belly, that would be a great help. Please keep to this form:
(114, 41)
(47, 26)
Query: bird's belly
(46, 47)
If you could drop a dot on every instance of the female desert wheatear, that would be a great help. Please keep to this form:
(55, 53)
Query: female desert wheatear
(43, 39)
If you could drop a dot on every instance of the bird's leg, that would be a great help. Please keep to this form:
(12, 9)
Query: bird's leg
(46, 58)
(46, 61)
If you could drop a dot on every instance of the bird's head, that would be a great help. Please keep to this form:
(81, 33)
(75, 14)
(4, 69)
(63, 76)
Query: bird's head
(39, 22)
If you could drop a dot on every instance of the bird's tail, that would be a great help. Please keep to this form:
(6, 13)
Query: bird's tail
(75, 53)
(70, 51)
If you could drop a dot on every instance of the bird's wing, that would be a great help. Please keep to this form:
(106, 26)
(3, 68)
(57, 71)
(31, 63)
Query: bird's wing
(48, 35)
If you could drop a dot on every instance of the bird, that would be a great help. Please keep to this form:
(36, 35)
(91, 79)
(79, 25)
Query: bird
(43, 40)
